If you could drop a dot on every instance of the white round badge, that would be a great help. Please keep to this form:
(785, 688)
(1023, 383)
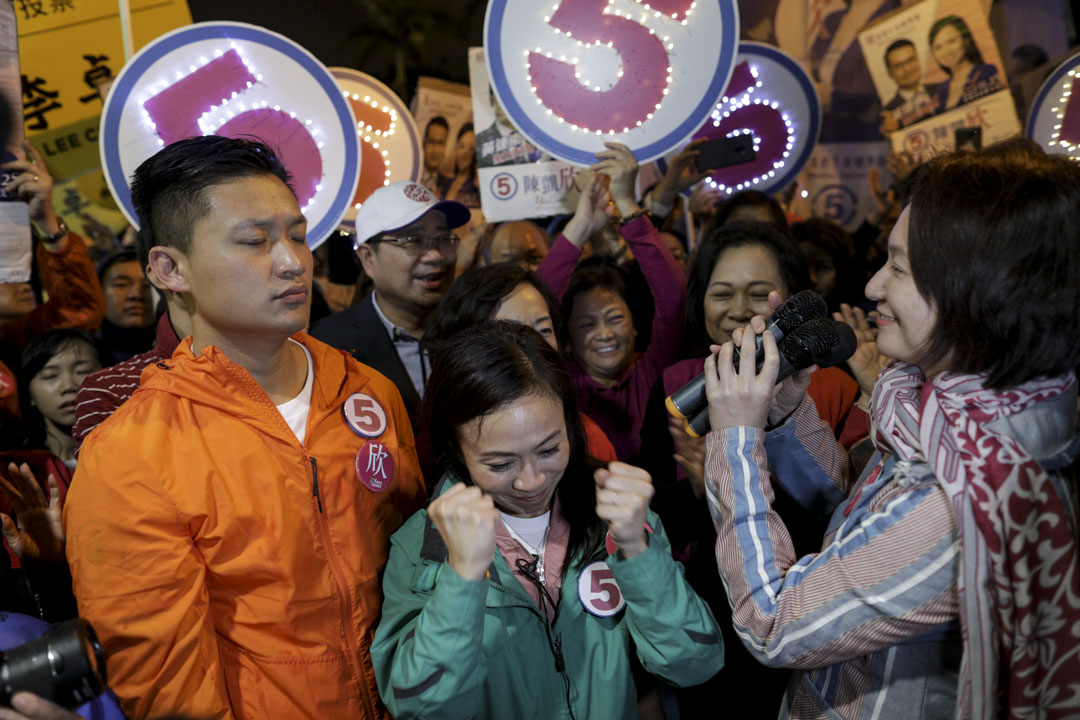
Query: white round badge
(389, 138)
(364, 415)
(1054, 120)
(581, 72)
(598, 591)
(235, 80)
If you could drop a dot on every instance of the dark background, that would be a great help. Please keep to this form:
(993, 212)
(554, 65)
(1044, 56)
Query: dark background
(397, 41)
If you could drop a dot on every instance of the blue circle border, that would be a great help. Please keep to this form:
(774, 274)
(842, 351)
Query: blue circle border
(1070, 63)
(782, 58)
(367, 81)
(729, 42)
(133, 72)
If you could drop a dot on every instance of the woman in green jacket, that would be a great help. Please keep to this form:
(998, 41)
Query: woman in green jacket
(536, 574)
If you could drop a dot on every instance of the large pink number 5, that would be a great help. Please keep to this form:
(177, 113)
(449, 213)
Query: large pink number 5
(643, 79)
(175, 112)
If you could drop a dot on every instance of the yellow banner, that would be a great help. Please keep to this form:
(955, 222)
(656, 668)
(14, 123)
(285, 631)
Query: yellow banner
(67, 48)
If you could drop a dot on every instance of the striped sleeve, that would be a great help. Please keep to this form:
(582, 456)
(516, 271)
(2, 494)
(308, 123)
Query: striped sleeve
(806, 459)
(887, 574)
(101, 394)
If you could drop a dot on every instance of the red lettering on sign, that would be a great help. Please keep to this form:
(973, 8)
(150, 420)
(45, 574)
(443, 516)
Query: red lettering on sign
(605, 591)
(364, 415)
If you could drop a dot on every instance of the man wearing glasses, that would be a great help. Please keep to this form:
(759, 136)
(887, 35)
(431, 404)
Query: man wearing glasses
(405, 244)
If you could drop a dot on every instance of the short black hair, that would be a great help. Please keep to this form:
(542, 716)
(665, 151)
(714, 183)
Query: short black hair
(896, 45)
(992, 247)
(474, 298)
(169, 189)
(489, 366)
(437, 121)
(718, 240)
(115, 257)
(750, 199)
(834, 240)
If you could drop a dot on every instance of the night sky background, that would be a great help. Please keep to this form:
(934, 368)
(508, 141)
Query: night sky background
(397, 41)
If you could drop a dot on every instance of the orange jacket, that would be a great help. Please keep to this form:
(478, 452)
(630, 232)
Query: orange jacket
(229, 571)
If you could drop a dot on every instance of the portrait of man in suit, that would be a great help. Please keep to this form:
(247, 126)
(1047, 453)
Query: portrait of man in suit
(913, 100)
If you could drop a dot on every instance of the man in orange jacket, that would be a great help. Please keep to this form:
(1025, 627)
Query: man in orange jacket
(228, 525)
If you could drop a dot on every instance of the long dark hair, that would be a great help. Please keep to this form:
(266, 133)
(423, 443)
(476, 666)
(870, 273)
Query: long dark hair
(36, 356)
(971, 50)
(474, 298)
(483, 369)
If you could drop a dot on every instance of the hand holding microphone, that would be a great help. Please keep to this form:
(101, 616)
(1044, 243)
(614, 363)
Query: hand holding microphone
(797, 310)
(820, 342)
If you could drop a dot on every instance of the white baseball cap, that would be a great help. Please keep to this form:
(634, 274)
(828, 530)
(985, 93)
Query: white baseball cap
(394, 206)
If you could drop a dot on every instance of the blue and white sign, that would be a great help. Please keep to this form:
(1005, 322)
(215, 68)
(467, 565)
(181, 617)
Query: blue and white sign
(645, 73)
(771, 98)
(1054, 120)
(234, 79)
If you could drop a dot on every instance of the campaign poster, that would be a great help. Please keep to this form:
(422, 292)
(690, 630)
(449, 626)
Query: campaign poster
(932, 58)
(517, 179)
(835, 181)
(993, 117)
(443, 113)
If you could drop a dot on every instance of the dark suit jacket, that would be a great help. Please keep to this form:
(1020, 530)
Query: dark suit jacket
(359, 330)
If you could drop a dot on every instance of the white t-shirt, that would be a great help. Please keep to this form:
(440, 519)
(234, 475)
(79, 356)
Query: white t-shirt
(532, 530)
(296, 411)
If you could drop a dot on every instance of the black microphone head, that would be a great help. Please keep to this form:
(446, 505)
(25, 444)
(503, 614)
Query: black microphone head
(820, 341)
(798, 309)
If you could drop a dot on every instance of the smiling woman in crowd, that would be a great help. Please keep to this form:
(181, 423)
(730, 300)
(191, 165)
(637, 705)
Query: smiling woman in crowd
(537, 575)
(947, 582)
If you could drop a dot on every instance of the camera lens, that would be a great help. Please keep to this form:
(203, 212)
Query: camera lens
(65, 666)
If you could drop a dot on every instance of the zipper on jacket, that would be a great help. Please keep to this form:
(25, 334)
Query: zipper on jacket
(344, 594)
(560, 664)
(315, 484)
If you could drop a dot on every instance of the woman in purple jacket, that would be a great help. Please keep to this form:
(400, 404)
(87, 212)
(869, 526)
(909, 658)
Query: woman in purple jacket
(611, 381)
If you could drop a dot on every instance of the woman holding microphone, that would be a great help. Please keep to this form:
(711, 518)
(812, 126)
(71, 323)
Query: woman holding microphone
(947, 581)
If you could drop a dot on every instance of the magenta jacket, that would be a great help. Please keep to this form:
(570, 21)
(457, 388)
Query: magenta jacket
(620, 409)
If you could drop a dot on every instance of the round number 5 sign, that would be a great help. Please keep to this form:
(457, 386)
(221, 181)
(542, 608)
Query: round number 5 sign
(574, 74)
(235, 80)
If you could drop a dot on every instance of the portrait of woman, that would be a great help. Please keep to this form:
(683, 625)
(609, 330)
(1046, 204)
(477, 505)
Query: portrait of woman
(461, 186)
(954, 50)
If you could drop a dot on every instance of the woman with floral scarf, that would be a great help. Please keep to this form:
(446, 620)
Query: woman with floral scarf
(947, 582)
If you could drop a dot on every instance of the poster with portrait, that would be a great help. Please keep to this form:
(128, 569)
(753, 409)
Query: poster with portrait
(517, 180)
(443, 113)
(931, 58)
(991, 119)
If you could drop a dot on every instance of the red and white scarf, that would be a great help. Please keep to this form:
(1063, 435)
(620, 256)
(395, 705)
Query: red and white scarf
(1019, 584)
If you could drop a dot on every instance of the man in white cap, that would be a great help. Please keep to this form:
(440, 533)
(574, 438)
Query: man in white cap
(405, 244)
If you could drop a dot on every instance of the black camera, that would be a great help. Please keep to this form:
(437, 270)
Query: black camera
(65, 666)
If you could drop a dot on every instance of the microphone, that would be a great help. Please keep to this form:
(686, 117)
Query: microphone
(822, 342)
(798, 309)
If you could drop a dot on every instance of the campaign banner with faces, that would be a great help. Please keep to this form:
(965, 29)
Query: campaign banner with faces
(443, 114)
(933, 58)
(517, 180)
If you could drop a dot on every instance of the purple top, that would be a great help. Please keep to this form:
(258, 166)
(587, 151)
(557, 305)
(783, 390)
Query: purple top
(620, 409)
(981, 80)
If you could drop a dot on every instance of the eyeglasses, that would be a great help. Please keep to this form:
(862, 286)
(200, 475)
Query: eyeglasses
(419, 244)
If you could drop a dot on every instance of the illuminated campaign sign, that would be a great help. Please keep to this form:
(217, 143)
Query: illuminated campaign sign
(771, 98)
(575, 74)
(389, 139)
(1054, 121)
(235, 80)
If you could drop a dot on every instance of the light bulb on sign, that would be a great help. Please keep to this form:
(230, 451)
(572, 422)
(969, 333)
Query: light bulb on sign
(1066, 131)
(607, 105)
(190, 106)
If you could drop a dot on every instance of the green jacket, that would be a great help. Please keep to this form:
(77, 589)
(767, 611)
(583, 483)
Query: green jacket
(447, 647)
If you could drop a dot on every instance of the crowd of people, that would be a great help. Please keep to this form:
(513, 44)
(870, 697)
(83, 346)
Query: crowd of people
(417, 475)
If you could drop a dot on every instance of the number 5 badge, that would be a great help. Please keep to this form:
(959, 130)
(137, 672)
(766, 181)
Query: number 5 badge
(598, 591)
